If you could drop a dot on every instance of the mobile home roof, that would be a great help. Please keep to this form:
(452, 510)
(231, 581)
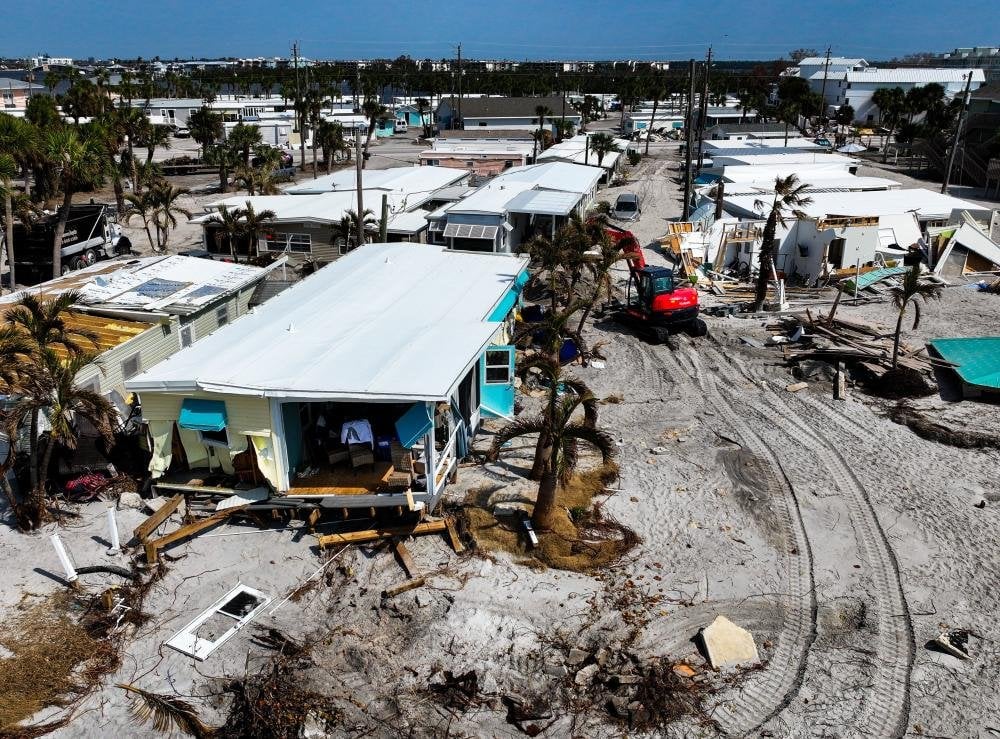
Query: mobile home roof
(385, 322)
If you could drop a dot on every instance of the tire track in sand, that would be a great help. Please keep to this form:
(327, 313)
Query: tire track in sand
(886, 705)
(767, 693)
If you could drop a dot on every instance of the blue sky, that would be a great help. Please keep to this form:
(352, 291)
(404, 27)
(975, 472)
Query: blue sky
(510, 29)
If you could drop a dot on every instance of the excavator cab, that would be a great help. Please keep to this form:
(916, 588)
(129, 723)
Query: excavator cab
(649, 283)
(659, 305)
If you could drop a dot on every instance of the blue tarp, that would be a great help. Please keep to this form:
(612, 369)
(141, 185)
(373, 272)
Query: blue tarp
(198, 414)
(414, 424)
(510, 299)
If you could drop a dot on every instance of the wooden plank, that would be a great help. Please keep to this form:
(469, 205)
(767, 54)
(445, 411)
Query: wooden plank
(403, 587)
(406, 559)
(147, 527)
(370, 535)
(456, 543)
(193, 488)
(153, 547)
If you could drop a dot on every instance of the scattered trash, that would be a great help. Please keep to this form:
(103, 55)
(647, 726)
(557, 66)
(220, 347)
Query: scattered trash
(796, 387)
(728, 645)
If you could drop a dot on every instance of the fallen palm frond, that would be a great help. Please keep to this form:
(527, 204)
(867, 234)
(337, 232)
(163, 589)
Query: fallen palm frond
(165, 712)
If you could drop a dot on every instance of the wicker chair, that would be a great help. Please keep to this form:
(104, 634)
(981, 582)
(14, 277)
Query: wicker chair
(361, 454)
(402, 465)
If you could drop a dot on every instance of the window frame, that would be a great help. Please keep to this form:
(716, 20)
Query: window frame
(219, 311)
(505, 366)
(187, 328)
(137, 358)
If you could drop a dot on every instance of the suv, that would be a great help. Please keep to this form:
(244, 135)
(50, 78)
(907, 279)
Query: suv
(626, 207)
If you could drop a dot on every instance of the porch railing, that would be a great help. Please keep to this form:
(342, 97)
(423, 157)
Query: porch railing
(447, 461)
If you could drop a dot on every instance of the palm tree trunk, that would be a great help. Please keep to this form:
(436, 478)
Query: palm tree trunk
(765, 260)
(149, 236)
(8, 220)
(545, 504)
(60, 231)
(652, 119)
(315, 173)
(895, 340)
(223, 172)
(36, 507)
(33, 450)
(119, 191)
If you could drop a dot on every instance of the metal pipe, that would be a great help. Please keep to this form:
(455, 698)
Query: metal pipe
(115, 548)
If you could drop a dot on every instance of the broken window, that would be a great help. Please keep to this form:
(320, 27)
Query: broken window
(130, 367)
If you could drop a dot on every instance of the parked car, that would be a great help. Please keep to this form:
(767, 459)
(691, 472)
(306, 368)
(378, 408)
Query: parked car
(182, 133)
(626, 207)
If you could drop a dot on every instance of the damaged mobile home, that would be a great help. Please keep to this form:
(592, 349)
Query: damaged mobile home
(363, 384)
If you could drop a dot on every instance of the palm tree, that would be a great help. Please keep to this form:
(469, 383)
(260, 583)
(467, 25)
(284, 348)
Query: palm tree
(254, 222)
(603, 144)
(347, 228)
(208, 129)
(141, 205)
(912, 290)
(313, 113)
(788, 113)
(52, 387)
(243, 139)
(559, 435)
(373, 110)
(18, 143)
(423, 110)
(166, 208)
(788, 198)
(231, 227)
(42, 326)
(152, 137)
(610, 253)
(330, 136)
(541, 111)
(79, 162)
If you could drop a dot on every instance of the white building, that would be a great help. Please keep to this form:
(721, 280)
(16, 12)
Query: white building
(514, 206)
(856, 88)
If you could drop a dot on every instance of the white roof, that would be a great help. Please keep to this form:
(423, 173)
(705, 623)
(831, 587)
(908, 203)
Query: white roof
(800, 157)
(384, 322)
(171, 284)
(465, 146)
(812, 61)
(326, 208)
(574, 150)
(926, 204)
(914, 75)
(762, 146)
(839, 182)
(404, 180)
(409, 222)
(805, 172)
(544, 202)
(494, 196)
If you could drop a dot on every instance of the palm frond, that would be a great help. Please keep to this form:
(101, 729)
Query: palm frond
(164, 712)
(600, 440)
(514, 430)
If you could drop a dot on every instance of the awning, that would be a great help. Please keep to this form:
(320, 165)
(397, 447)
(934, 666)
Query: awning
(510, 299)
(468, 231)
(198, 414)
(414, 424)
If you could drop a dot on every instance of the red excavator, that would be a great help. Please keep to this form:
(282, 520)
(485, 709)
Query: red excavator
(657, 306)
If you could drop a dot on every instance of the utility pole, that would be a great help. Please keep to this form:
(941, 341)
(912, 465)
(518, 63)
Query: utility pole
(958, 133)
(298, 109)
(689, 128)
(822, 94)
(704, 108)
(460, 84)
(361, 203)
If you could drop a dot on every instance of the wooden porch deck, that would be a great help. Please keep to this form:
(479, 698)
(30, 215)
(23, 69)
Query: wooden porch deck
(345, 481)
